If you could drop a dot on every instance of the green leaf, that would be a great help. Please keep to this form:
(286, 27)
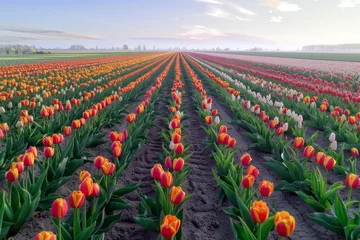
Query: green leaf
(328, 221)
(340, 211)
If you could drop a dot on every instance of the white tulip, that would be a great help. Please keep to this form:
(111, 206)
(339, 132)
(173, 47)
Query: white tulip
(19, 124)
(171, 145)
(19, 105)
(299, 124)
(2, 110)
(170, 127)
(10, 105)
(257, 111)
(217, 120)
(233, 97)
(333, 145)
(286, 126)
(276, 120)
(332, 137)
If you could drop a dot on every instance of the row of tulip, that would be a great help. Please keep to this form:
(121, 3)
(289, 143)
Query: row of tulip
(123, 148)
(33, 133)
(309, 183)
(164, 213)
(61, 163)
(340, 121)
(250, 216)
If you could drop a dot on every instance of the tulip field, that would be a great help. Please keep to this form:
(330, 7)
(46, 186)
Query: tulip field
(170, 145)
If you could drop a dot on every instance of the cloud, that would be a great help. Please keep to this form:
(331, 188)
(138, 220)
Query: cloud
(348, 3)
(199, 32)
(276, 19)
(243, 19)
(14, 39)
(281, 5)
(210, 1)
(50, 34)
(218, 13)
(244, 11)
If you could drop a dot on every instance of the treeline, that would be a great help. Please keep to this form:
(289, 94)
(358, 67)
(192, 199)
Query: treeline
(353, 47)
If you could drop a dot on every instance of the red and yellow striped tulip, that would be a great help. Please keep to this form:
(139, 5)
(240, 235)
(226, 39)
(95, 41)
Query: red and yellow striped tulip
(208, 119)
(76, 124)
(222, 129)
(232, 142)
(59, 208)
(116, 151)
(354, 152)
(299, 142)
(114, 136)
(169, 226)
(284, 223)
(329, 163)
(259, 211)
(178, 164)
(49, 152)
(166, 180)
(177, 195)
(12, 174)
(252, 170)
(99, 161)
(320, 157)
(96, 190)
(214, 112)
(28, 159)
(45, 236)
(18, 165)
(48, 141)
(83, 175)
(76, 199)
(168, 162)
(175, 123)
(108, 168)
(248, 181)
(352, 181)
(176, 138)
(178, 148)
(130, 117)
(156, 171)
(309, 152)
(67, 131)
(266, 188)
(245, 159)
(86, 186)
(33, 150)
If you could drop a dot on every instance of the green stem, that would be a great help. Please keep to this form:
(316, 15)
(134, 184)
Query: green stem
(33, 175)
(259, 231)
(84, 216)
(349, 195)
(26, 179)
(10, 189)
(59, 228)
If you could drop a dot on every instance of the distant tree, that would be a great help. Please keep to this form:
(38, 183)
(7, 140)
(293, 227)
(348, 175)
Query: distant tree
(139, 48)
(125, 47)
(144, 48)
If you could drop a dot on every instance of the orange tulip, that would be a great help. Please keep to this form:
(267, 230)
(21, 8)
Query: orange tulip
(108, 168)
(170, 226)
(67, 131)
(248, 181)
(175, 123)
(76, 124)
(259, 211)
(208, 119)
(245, 159)
(130, 117)
(352, 181)
(272, 124)
(157, 171)
(45, 236)
(177, 195)
(76, 199)
(166, 180)
(284, 223)
(59, 208)
(266, 188)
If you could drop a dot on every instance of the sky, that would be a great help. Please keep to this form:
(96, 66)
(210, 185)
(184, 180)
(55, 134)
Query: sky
(236, 24)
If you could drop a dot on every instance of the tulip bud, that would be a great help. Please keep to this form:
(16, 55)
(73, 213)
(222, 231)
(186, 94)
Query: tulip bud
(178, 164)
(166, 180)
(259, 211)
(248, 181)
(352, 181)
(108, 168)
(329, 163)
(76, 199)
(99, 161)
(59, 208)
(86, 186)
(177, 195)
(320, 157)
(333, 145)
(49, 152)
(354, 152)
(168, 162)
(332, 137)
(284, 223)
(169, 226)
(45, 236)
(266, 188)
(157, 171)
(309, 152)
(96, 190)
(245, 159)
(12, 174)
